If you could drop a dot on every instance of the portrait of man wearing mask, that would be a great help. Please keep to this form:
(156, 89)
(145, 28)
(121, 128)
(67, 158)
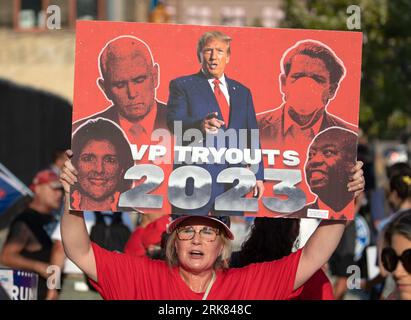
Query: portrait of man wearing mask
(310, 76)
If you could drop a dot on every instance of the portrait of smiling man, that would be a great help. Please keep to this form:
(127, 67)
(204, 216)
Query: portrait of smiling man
(330, 160)
(311, 74)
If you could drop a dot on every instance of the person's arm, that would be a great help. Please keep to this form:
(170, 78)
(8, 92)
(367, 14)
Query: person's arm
(76, 241)
(340, 288)
(15, 244)
(57, 255)
(326, 238)
(318, 249)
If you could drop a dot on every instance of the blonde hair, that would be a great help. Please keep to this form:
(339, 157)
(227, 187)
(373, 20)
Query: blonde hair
(222, 261)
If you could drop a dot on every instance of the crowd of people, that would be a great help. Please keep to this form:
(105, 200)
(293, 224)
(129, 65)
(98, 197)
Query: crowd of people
(34, 242)
(190, 256)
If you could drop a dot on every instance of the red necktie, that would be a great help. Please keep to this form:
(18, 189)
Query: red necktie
(222, 102)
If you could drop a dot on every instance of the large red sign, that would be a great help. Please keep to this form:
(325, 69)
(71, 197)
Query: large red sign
(286, 106)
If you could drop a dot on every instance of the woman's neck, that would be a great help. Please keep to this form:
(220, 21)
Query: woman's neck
(197, 282)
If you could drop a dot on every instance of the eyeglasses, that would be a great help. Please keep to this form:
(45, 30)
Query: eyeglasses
(206, 233)
(390, 259)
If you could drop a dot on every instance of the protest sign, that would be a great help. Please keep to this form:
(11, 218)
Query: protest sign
(14, 196)
(18, 284)
(287, 103)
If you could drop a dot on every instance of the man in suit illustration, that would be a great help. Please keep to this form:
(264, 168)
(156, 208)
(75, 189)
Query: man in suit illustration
(210, 101)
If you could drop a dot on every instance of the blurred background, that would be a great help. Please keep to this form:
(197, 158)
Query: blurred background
(37, 70)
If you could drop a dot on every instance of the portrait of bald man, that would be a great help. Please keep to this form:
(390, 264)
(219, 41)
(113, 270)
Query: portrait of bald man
(330, 158)
(129, 79)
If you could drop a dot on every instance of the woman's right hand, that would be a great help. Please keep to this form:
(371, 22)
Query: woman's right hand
(69, 174)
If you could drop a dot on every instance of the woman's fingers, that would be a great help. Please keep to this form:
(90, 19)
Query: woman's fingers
(68, 176)
(357, 181)
(66, 182)
(357, 167)
(359, 175)
(71, 177)
(70, 166)
(357, 184)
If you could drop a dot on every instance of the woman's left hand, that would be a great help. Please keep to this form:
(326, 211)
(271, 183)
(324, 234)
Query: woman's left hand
(357, 183)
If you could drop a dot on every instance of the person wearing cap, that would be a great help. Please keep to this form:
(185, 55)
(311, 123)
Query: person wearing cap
(198, 252)
(28, 245)
(146, 238)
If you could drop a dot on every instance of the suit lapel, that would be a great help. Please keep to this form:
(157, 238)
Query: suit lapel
(231, 90)
(234, 99)
(205, 89)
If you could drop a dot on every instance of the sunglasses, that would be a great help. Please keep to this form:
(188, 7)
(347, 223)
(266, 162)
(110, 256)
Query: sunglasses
(390, 259)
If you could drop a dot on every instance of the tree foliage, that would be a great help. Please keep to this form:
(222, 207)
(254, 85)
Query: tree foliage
(385, 106)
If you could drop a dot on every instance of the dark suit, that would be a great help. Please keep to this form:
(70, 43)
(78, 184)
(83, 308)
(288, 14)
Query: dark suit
(271, 125)
(112, 114)
(191, 100)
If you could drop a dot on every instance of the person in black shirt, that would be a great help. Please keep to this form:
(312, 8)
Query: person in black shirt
(28, 245)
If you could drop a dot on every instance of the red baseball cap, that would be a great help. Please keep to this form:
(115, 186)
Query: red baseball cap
(46, 176)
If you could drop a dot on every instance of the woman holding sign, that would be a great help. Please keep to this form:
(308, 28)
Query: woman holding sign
(198, 250)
